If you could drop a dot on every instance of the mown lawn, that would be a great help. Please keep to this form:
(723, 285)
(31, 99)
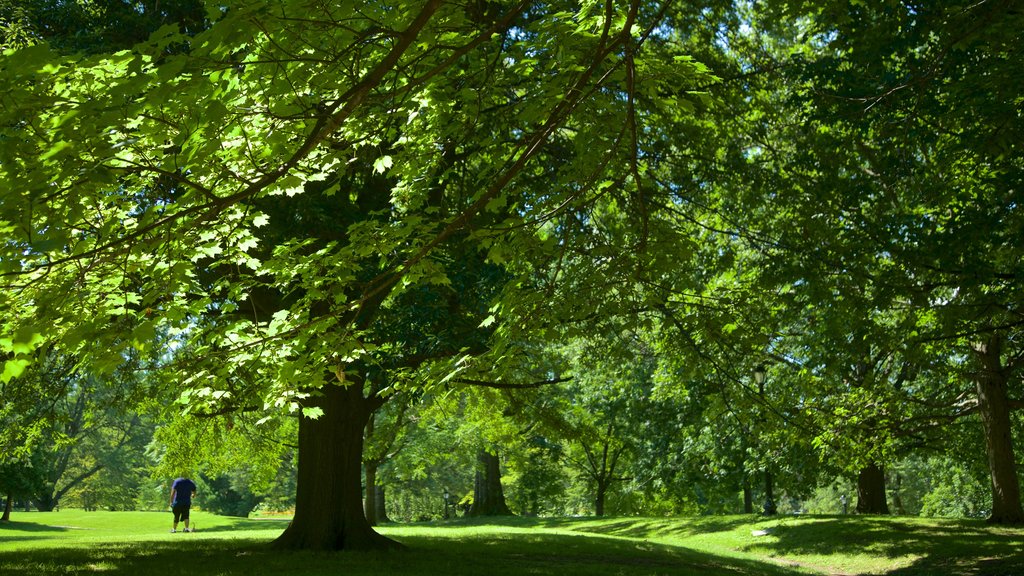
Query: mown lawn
(130, 543)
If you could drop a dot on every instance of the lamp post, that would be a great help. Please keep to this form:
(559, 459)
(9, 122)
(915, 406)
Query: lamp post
(769, 496)
(447, 499)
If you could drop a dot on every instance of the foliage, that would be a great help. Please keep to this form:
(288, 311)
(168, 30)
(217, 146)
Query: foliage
(118, 481)
(228, 495)
(958, 491)
(262, 200)
(18, 480)
(87, 425)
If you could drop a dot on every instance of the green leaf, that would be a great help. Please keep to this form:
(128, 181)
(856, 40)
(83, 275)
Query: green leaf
(24, 341)
(55, 149)
(312, 412)
(380, 165)
(143, 335)
(14, 368)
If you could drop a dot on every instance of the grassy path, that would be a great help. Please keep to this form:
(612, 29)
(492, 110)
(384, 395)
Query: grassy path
(139, 543)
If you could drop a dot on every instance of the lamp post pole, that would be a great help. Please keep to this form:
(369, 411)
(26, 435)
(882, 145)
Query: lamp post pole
(769, 496)
(447, 496)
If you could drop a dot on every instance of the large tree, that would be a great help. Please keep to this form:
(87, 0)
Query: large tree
(266, 190)
(907, 190)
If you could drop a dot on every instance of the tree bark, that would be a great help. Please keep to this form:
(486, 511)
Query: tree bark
(328, 503)
(599, 498)
(748, 497)
(45, 501)
(381, 503)
(602, 467)
(7, 509)
(871, 491)
(770, 508)
(897, 496)
(994, 408)
(370, 502)
(488, 496)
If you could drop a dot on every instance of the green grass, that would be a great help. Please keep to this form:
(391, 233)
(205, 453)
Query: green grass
(129, 543)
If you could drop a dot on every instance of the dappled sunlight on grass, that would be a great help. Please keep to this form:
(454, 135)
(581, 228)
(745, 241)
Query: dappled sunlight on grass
(139, 543)
(926, 544)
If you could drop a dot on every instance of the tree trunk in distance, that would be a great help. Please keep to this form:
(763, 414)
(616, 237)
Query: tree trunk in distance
(46, 502)
(897, 496)
(994, 408)
(871, 491)
(488, 496)
(770, 508)
(748, 497)
(599, 498)
(381, 501)
(7, 509)
(328, 500)
(370, 503)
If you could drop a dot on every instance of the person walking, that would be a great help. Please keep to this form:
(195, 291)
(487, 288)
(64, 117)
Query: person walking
(182, 492)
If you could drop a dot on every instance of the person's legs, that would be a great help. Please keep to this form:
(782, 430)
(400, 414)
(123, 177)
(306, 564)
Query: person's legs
(185, 516)
(177, 517)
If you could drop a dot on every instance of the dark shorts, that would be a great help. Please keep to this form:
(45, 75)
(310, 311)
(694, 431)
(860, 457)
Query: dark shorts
(180, 511)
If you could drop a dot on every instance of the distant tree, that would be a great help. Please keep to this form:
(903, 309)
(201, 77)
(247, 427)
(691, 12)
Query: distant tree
(880, 161)
(488, 491)
(83, 26)
(17, 480)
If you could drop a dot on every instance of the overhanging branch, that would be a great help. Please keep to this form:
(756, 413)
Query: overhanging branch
(512, 386)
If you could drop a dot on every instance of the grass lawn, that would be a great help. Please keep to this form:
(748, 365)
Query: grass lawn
(139, 543)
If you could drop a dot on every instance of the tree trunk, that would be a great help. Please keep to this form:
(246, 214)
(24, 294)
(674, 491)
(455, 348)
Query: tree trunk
(770, 509)
(897, 496)
(46, 502)
(599, 498)
(871, 491)
(370, 503)
(748, 497)
(488, 496)
(533, 505)
(382, 511)
(328, 501)
(7, 509)
(994, 408)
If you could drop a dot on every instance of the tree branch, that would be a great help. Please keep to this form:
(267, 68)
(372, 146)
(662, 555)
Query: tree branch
(509, 386)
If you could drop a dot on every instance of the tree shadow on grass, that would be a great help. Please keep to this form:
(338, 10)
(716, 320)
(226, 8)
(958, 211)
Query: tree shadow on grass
(149, 558)
(484, 555)
(247, 525)
(584, 554)
(649, 527)
(25, 531)
(965, 547)
(11, 527)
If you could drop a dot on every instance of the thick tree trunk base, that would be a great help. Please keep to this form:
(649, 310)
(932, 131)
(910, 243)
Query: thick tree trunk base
(353, 539)
(488, 496)
(329, 512)
(871, 491)
(1005, 520)
(994, 409)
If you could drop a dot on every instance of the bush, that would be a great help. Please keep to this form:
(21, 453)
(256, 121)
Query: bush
(956, 491)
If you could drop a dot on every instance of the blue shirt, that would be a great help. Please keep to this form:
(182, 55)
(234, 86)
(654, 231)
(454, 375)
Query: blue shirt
(183, 489)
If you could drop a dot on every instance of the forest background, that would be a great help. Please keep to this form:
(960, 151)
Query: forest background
(375, 261)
